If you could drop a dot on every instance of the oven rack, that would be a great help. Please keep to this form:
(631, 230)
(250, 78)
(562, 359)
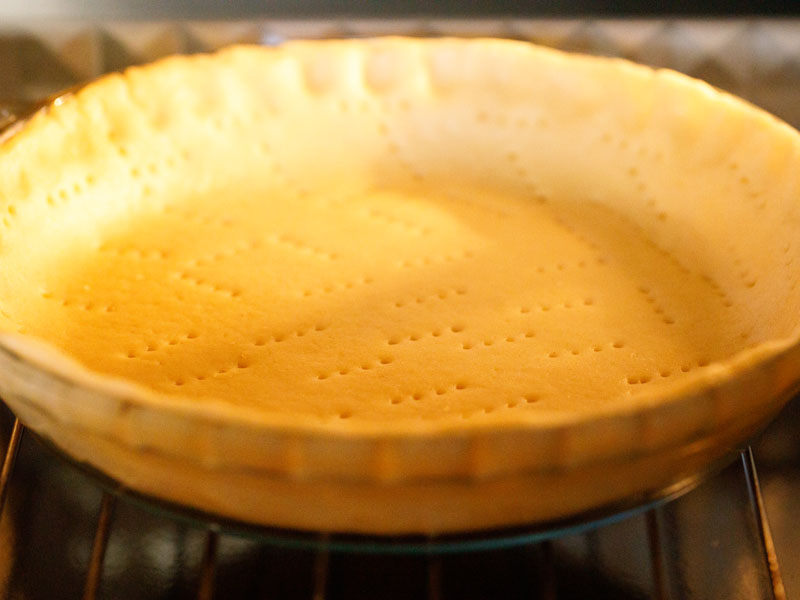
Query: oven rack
(743, 545)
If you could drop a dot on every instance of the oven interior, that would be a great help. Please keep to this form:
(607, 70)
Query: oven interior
(66, 532)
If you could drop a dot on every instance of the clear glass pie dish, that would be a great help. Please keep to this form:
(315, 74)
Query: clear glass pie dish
(397, 286)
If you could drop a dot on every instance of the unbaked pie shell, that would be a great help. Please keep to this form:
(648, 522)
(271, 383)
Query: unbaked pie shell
(607, 369)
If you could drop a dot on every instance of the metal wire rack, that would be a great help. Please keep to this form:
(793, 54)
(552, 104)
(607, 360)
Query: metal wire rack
(710, 543)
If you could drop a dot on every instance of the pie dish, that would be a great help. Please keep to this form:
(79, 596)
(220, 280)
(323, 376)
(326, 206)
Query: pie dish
(399, 286)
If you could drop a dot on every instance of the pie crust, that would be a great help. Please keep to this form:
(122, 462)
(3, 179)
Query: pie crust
(399, 286)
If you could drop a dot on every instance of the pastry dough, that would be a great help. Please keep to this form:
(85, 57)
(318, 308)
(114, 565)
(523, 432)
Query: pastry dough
(403, 248)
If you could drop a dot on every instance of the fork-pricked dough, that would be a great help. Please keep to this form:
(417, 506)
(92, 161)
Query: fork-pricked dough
(396, 236)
